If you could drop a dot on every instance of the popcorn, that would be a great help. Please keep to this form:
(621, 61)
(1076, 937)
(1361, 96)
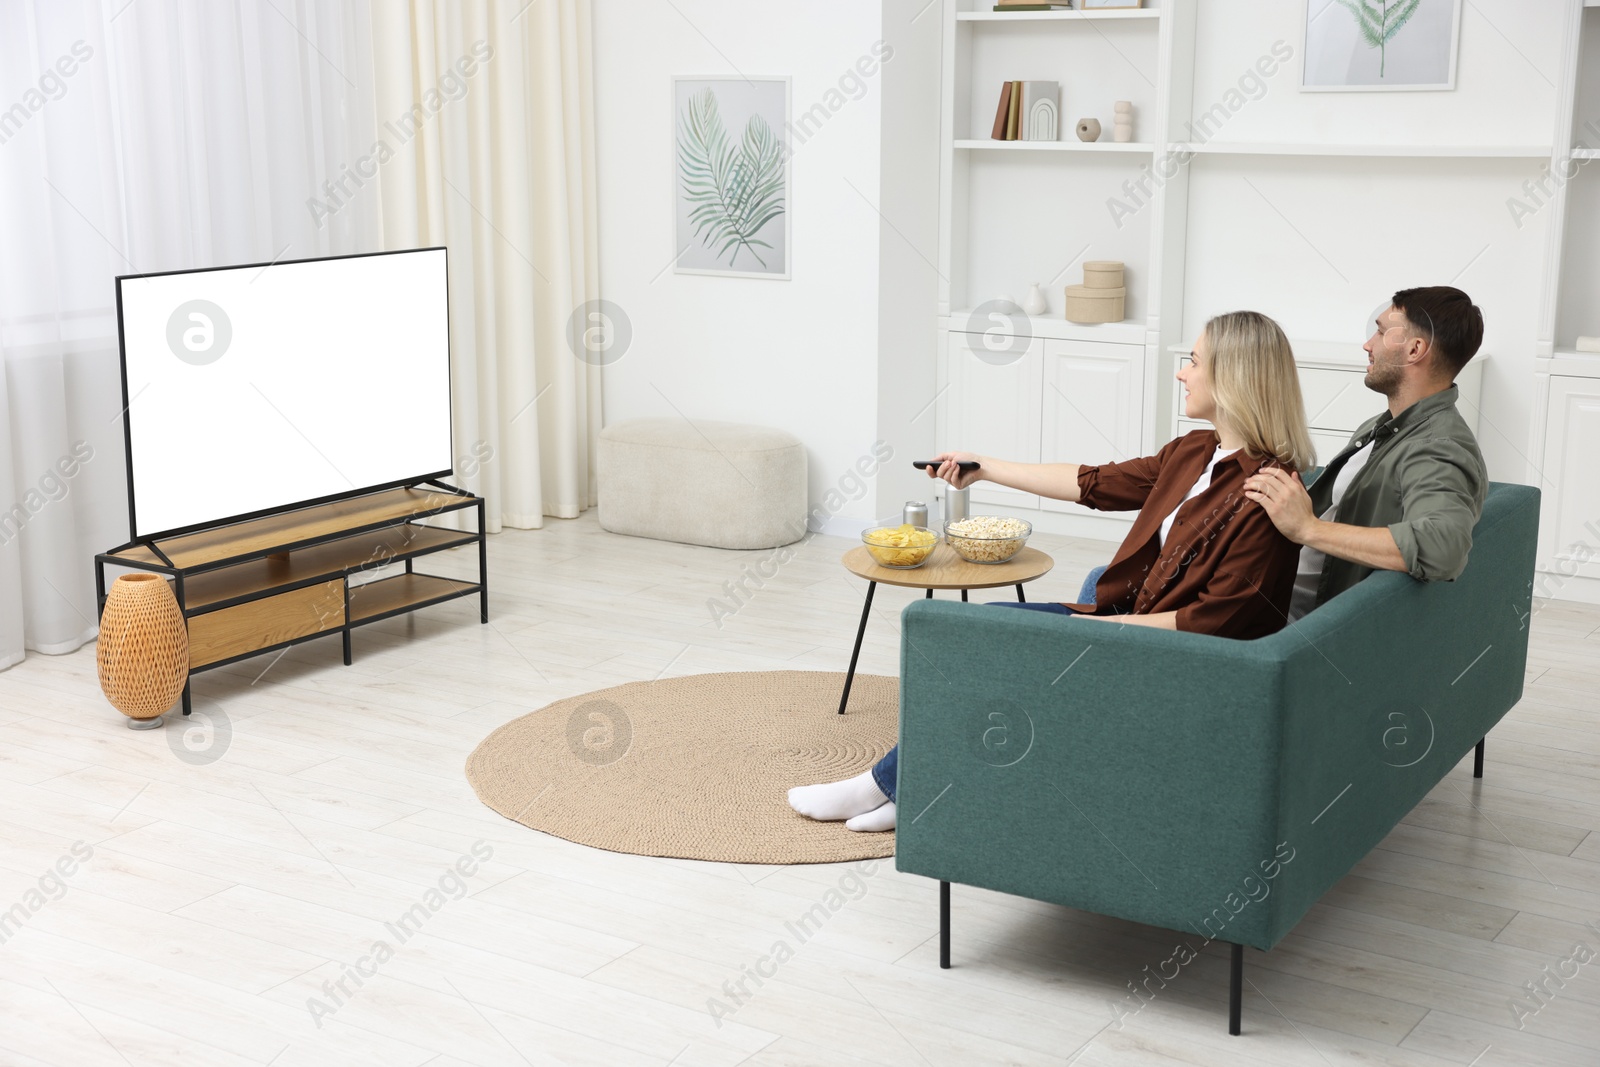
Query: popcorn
(987, 538)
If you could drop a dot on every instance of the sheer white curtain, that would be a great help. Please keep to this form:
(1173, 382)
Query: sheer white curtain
(161, 134)
(139, 137)
(500, 170)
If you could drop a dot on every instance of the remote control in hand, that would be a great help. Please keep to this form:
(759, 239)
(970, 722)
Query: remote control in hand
(965, 465)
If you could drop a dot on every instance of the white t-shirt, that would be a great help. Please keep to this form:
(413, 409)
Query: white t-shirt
(1309, 575)
(1201, 485)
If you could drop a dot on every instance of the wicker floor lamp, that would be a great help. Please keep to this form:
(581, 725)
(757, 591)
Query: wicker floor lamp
(143, 651)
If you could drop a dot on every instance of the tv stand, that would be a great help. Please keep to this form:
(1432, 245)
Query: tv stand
(266, 583)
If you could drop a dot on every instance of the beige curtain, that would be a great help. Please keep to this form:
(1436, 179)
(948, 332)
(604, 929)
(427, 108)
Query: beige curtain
(486, 145)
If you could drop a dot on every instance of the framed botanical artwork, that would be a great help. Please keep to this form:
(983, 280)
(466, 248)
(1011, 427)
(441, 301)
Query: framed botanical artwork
(730, 177)
(1368, 45)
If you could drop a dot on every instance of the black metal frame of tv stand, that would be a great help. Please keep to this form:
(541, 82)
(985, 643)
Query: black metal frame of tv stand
(177, 574)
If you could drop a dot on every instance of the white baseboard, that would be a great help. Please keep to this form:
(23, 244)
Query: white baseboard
(1554, 584)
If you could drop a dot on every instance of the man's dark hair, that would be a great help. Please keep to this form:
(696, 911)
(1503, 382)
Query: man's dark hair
(1448, 318)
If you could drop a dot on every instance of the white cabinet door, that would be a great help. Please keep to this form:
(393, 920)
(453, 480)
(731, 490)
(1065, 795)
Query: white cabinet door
(1093, 399)
(991, 405)
(1572, 441)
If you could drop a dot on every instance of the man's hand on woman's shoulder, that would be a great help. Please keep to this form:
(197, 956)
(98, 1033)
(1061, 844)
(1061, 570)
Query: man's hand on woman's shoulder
(1284, 498)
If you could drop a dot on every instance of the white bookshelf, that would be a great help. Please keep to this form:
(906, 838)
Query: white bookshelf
(1053, 327)
(1114, 15)
(1418, 151)
(986, 144)
(1015, 213)
(1012, 214)
(1570, 361)
(1565, 427)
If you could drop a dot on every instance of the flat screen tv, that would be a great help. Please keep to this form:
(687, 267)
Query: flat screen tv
(258, 388)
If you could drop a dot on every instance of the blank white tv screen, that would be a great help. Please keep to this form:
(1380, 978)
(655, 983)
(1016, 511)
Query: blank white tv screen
(256, 388)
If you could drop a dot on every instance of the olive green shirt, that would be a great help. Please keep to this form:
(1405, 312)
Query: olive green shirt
(1425, 481)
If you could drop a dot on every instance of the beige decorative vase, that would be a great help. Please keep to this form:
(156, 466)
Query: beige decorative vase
(143, 650)
(1088, 129)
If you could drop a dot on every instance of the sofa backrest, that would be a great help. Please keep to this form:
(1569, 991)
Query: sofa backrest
(1386, 687)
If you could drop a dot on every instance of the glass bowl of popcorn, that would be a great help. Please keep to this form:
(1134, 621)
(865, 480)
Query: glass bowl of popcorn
(901, 547)
(987, 538)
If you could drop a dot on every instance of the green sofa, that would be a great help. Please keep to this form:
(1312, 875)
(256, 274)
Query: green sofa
(1206, 785)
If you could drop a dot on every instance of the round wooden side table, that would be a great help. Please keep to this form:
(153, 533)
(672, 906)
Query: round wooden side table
(944, 570)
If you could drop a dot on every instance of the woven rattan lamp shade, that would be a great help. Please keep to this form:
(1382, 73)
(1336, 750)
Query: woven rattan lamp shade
(143, 651)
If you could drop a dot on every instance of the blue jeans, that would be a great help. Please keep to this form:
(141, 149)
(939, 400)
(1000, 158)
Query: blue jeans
(886, 772)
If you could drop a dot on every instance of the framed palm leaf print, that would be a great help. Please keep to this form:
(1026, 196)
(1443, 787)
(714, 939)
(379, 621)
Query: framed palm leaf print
(731, 176)
(1353, 45)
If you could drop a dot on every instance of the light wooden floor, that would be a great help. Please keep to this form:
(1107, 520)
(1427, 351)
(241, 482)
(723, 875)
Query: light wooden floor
(220, 897)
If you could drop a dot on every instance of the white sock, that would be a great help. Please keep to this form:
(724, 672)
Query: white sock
(874, 821)
(834, 801)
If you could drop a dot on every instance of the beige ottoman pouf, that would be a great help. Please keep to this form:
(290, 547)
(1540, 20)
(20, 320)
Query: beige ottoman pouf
(720, 484)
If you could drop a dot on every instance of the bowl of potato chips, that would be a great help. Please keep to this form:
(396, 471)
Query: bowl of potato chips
(903, 547)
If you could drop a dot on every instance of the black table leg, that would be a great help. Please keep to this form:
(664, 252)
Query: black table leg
(1021, 597)
(1235, 989)
(944, 925)
(1477, 761)
(963, 596)
(929, 596)
(855, 654)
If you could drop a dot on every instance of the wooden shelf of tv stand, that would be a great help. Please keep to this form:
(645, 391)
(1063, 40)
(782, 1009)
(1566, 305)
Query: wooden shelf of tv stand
(214, 589)
(302, 527)
(398, 593)
(264, 584)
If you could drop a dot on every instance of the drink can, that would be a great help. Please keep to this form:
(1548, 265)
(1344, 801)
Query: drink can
(957, 504)
(916, 513)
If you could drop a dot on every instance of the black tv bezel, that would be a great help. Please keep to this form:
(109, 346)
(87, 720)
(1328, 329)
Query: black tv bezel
(135, 537)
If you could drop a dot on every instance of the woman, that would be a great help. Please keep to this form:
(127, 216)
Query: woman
(1201, 556)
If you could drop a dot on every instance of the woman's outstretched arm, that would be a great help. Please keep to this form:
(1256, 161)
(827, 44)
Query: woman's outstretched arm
(1058, 481)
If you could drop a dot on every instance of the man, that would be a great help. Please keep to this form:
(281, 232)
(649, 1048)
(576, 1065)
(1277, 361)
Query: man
(1408, 488)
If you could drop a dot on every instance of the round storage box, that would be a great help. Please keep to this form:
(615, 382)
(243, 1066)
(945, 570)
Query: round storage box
(1102, 274)
(1085, 305)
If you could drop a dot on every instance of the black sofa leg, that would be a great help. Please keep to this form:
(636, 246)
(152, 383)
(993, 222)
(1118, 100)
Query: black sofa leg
(944, 925)
(1477, 760)
(1235, 990)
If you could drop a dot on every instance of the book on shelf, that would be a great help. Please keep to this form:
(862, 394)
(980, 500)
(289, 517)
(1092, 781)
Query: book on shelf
(999, 131)
(1032, 7)
(1015, 119)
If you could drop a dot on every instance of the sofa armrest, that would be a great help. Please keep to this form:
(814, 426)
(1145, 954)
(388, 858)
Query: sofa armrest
(1120, 769)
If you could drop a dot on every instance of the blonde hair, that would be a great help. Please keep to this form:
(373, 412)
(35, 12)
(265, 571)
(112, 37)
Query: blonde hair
(1256, 388)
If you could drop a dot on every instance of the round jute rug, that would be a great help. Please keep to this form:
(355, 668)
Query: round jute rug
(694, 767)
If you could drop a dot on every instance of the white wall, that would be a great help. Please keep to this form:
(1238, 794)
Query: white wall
(908, 242)
(843, 354)
(800, 355)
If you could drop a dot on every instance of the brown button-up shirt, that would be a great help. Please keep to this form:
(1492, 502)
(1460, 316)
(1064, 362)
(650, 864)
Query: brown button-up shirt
(1225, 569)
